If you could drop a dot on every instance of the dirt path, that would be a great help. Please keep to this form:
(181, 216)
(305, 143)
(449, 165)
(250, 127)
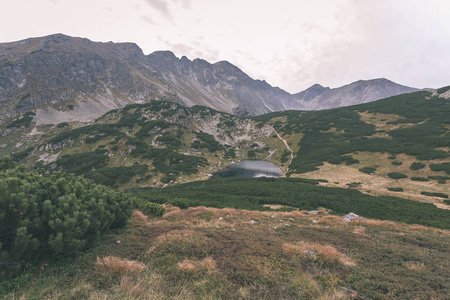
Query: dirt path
(289, 148)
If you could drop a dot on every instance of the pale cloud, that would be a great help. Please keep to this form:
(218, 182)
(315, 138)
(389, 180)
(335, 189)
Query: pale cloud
(160, 5)
(289, 43)
(148, 19)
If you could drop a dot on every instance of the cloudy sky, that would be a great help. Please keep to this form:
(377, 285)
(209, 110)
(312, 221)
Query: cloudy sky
(289, 43)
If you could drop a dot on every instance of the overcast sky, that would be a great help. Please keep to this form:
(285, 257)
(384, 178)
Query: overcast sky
(292, 44)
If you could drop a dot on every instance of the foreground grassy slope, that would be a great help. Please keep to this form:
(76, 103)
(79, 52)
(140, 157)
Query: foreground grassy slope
(206, 253)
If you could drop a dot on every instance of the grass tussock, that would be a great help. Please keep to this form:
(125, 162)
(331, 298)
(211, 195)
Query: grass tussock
(111, 265)
(208, 265)
(327, 253)
(138, 216)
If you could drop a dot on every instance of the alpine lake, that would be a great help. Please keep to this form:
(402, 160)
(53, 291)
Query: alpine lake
(249, 168)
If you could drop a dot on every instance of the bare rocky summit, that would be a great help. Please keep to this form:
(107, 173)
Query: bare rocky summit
(63, 78)
(362, 91)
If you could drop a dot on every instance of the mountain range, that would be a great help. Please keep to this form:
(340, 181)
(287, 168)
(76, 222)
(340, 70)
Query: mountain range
(63, 79)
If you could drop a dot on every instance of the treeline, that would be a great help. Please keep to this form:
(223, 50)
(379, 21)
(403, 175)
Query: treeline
(254, 193)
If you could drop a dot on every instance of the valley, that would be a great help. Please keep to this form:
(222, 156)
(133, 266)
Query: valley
(107, 159)
(162, 143)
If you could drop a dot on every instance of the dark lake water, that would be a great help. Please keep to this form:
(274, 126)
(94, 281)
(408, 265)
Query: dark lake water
(249, 168)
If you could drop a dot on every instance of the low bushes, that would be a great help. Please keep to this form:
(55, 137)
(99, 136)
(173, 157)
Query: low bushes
(417, 166)
(53, 215)
(396, 175)
(441, 195)
(395, 189)
(368, 170)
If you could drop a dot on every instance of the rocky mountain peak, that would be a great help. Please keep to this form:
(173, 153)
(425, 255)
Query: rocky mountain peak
(49, 74)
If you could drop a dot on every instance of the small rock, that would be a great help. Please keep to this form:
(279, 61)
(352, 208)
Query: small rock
(221, 218)
(275, 227)
(117, 242)
(311, 252)
(313, 212)
(287, 225)
(352, 216)
(253, 222)
(291, 219)
(274, 216)
(315, 221)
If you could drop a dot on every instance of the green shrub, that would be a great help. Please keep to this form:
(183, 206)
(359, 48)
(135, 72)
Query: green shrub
(443, 90)
(440, 179)
(83, 163)
(396, 175)
(150, 208)
(62, 125)
(395, 189)
(345, 158)
(206, 141)
(230, 154)
(251, 154)
(441, 167)
(419, 179)
(396, 163)
(181, 203)
(417, 166)
(441, 195)
(113, 176)
(53, 215)
(354, 184)
(368, 170)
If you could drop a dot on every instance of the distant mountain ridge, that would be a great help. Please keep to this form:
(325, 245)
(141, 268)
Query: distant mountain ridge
(65, 78)
(362, 91)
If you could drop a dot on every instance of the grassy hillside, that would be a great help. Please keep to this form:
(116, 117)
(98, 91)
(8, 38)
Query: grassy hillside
(363, 144)
(398, 146)
(150, 144)
(207, 253)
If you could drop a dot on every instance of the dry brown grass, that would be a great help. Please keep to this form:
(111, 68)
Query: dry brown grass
(415, 266)
(171, 211)
(187, 266)
(326, 252)
(375, 223)
(138, 216)
(359, 231)
(207, 265)
(111, 265)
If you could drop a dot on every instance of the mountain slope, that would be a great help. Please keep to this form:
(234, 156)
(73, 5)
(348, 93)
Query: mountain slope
(398, 145)
(362, 91)
(395, 146)
(146, 144)
(65, 79)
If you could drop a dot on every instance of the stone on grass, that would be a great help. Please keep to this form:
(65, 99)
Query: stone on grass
(352, 216)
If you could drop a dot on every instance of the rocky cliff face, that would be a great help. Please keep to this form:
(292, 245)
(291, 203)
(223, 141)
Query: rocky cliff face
(62, 78)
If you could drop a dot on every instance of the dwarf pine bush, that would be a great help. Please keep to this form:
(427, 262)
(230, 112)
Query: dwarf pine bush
(53, 215)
